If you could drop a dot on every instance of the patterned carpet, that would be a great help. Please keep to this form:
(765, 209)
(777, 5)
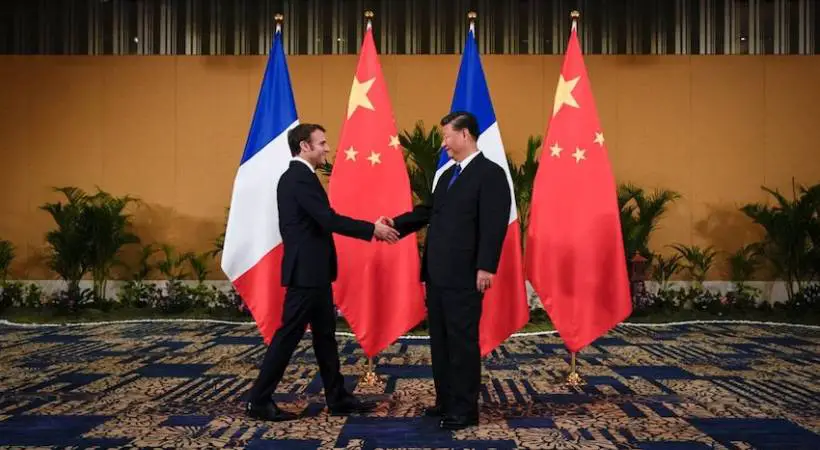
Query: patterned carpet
(736, 386)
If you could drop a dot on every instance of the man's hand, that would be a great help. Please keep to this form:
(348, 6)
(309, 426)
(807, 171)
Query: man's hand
(483, 280)
(386, 220)
(385, 232)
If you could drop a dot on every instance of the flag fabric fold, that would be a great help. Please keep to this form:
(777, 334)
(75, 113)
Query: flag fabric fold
(252, 252)
(378, 290)
(574, 250)
(504, 309)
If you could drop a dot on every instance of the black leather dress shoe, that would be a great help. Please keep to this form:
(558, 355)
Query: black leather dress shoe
(268, 411)
(434, 411)
(351, 405)
(458, 422)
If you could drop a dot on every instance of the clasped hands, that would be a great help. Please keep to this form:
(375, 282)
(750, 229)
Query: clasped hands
(384, 231)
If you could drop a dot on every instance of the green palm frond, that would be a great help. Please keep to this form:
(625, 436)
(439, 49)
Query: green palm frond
(665, 268)
(697, 261)
(523, 178)
(744, 262)
(199, 264)
(422, 150)
(6, 257)
(640, 214)
(792, 233)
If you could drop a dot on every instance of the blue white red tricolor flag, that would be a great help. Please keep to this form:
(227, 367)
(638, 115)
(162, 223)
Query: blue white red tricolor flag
(505, 309)
(252, 254)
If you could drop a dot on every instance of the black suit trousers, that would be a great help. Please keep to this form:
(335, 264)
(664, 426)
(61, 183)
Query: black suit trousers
(453, 316)
(303, 306)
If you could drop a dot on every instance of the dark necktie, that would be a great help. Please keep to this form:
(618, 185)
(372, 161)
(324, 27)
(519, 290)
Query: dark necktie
(456, 172)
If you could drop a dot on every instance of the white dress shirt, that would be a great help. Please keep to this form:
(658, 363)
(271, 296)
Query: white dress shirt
(467, 160)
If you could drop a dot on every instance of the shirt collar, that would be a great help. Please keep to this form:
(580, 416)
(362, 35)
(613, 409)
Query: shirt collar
(299, 158)
(467, 160)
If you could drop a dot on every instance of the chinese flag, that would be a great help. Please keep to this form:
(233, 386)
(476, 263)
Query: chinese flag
(574, 254)
(378, 289)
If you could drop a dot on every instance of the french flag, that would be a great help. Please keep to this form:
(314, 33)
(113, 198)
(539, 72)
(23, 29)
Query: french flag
(505, 308)
(252, 254)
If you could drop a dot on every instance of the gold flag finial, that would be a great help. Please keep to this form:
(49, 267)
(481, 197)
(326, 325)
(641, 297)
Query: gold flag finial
(575, 15)
(369, 14)
(471, 17)
(278, 18)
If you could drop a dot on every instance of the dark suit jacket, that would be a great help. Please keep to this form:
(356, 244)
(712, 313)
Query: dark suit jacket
(467, 224)
(307, 222)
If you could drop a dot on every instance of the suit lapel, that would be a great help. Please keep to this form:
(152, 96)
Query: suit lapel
(442, 193)
(305, 172)
(469, 170)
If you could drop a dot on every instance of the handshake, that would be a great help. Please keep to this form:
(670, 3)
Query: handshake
(384, 231)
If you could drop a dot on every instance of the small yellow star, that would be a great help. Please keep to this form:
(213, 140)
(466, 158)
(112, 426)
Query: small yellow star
(579, 155)
(351, 154)
(599, 138)
(556, 150)
(358, 96)
(374, 158)
(563, 94)
(394, 142)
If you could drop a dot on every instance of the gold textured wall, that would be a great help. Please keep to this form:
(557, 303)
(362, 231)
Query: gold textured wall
(170, 130)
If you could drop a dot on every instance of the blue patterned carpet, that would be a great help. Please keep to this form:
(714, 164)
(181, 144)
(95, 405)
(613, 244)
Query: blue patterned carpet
(181, 385)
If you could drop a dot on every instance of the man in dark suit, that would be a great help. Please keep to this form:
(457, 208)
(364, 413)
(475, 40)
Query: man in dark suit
(307, 222)
(467, 224)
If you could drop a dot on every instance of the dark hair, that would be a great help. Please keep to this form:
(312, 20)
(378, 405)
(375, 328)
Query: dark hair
(461, 120)
(301, 133)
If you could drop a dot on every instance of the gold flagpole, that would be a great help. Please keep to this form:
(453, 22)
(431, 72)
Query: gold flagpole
(574, 378)
(370, 378)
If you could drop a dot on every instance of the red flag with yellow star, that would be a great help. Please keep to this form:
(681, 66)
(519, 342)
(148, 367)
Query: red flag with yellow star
(378, 289)
(574, 250)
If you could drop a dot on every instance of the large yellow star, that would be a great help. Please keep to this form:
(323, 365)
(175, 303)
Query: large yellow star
(351, 154)
(555, 150)
(394, 142)
(599, 138)
(358, 96)
(579, 155)
(374, 158)
(563, 94)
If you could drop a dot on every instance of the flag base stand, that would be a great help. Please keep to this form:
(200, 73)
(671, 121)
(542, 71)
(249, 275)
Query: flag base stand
(370, 379)
(574, 379)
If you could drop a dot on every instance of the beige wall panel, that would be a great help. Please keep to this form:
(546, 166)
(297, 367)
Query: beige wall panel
(654, 143)
(214, 111)
(15, 125)
(425, 90)
(65, 137)
(15, 122)
(793, 122)
(138, 127)
(727, 146)
(516, 84)
(138, 138)
(306, 78)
